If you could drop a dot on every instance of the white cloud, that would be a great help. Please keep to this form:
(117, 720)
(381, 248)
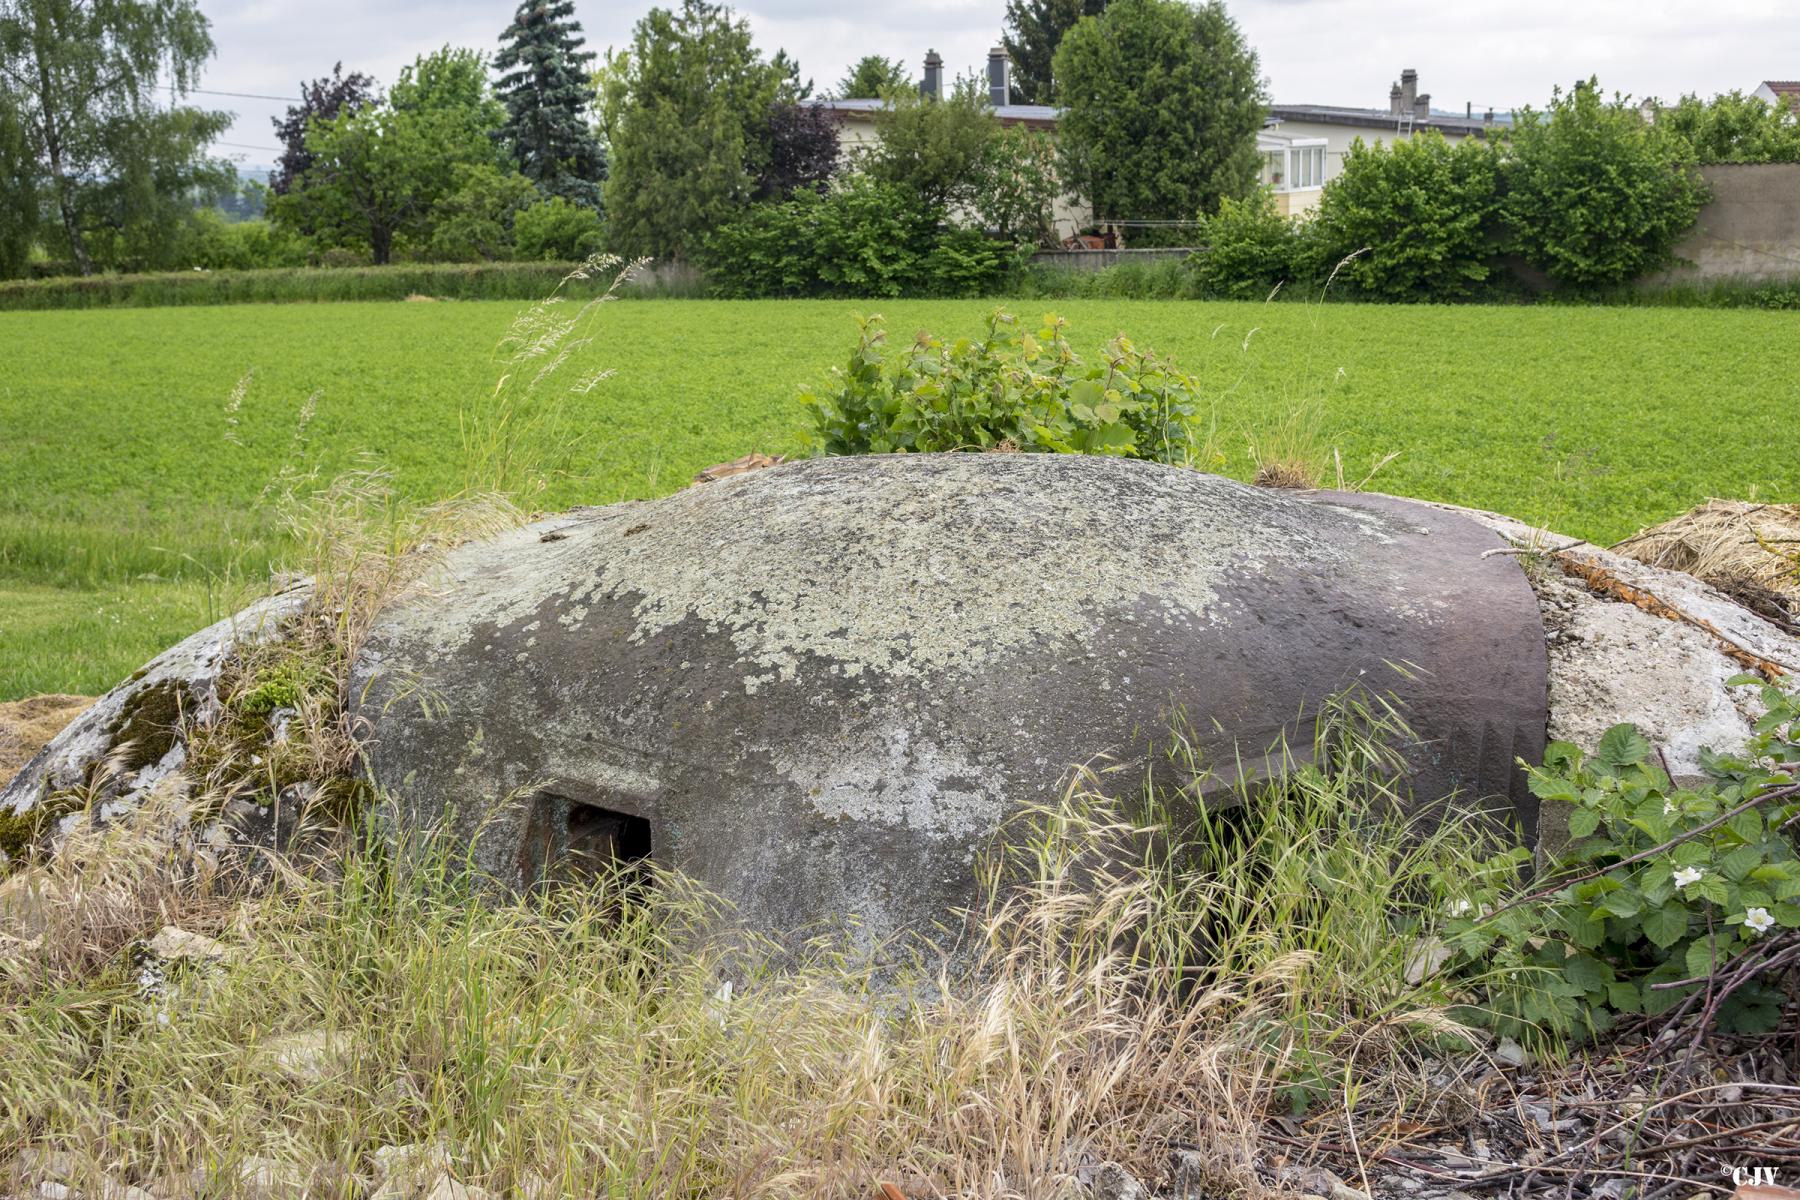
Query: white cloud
(1313, 51)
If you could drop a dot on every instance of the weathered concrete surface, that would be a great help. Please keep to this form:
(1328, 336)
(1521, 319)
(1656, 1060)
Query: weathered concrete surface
(1611, 661)
(821, 687)
(1748, 231)
(134, 727)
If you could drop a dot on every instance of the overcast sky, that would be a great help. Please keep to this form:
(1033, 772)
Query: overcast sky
(1491, 53)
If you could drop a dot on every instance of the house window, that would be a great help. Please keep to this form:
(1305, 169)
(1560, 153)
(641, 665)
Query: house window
(1309, 167)
(1272, 169)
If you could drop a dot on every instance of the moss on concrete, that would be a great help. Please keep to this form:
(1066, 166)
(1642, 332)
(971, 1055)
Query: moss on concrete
(148, 725)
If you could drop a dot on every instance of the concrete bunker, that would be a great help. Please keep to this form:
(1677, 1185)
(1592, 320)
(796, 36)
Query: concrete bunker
(822, 689)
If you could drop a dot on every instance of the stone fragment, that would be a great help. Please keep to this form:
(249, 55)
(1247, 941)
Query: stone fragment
(171, 944)
(1113, 1182)
(305, 1057)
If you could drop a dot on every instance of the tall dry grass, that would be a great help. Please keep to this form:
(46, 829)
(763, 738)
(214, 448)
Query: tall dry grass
(1151, 974)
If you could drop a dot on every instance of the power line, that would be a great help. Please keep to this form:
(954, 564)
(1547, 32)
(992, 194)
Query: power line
(242, 146)
(236, 95)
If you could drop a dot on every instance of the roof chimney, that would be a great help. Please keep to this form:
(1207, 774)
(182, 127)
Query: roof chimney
(1394, 101)
(1409, 89)
(999, 77)
(1422, 107)
(932, 85)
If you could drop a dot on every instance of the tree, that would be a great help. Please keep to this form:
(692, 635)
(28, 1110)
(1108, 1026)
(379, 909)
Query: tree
(21, 201)
(1423, 211)
(140, 216)
(1162, 105)
(81, 82)
(556, 230)
(1596, 195)
(378, 173)
(1017, 185)
(803, 150)
(873, 76)
(686, 112)
(475, 220)
(932, 148)
(548, 95)
(322, 100)
(1035, 28)
(1735, 128)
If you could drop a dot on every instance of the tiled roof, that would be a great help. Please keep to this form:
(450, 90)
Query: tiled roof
(1783, 87)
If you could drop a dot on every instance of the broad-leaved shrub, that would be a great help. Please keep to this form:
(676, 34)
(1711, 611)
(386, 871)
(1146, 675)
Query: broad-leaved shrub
(1008, 389)
(1595, 195)
(1422, 212)
(1247, 250)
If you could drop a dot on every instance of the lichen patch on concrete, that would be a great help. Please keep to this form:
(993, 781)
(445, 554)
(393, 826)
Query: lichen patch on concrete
(891, 778)
(944, 584)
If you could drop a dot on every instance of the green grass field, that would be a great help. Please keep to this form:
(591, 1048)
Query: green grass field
(129, 504)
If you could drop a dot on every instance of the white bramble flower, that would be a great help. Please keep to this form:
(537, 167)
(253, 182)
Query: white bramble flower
(1669, 808)
(1687, 875)
(1758, 921)
(1460, 908)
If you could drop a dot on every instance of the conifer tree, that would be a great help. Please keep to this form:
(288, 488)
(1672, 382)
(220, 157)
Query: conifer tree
(544, 84)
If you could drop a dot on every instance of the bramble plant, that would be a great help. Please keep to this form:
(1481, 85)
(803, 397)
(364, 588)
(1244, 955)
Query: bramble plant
(1009, 390)
(1669, 901)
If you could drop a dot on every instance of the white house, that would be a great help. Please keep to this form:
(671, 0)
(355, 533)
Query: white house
(1321, 134)
(856, 121)
(1778, 91)
(1303, 145)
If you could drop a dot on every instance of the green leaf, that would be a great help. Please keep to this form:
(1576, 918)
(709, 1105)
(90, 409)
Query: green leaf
(1700, 959)
(1690, 854)
(1624, 995)
(1625, 902)
(1587, 972)
(1666, 925)
(1583, 930)
(1086, 392)
(1561, 754)
(1622, 745)
(1740, 862)
(1747, 825)
(1583, 822)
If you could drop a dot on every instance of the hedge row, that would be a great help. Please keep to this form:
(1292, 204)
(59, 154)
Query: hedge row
(448, 281)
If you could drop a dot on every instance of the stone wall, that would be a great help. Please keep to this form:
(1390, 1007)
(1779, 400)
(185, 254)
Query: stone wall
(1099, 260)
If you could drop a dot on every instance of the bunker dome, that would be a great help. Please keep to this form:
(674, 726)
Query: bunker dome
(821, 688)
